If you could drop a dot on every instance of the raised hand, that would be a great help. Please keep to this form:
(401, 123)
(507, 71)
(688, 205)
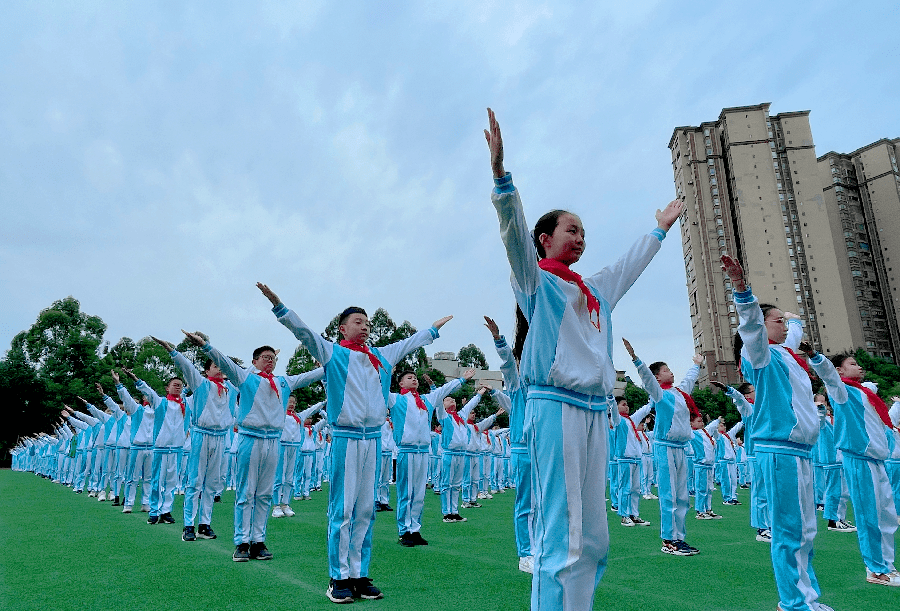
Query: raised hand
(629, 349)
(807, 349)
(115, 376)
(666, 217)
(492, 327)
(441, 322)
(194, 339)
(81, 399)
(718, 385)
(468, 374)
(484, 388)
(130, 373)
(269, 293)
(100, 389)
(427, 379)
(735, 272)
(495, 144)
(169, 347)
(698, 360)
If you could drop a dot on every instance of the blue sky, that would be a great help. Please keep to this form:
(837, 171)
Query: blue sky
(157, 161)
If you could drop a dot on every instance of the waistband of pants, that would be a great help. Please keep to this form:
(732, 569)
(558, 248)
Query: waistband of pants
(597, 403)
(356, 432)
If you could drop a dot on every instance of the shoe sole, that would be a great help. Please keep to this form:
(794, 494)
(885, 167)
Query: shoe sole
(339, 601)
(207, 537)
(240, 559)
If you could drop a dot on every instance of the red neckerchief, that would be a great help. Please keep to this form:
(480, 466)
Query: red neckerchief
(294, 416)
(308, 429)
(355, 347)
(705, 432)
(728, 437)
(320, 435)
(456, 417)
(271, 380)
(177, 399)
(219, 384)
(419, 403)
(695, 413)
(796, 356)
(874, 399)
(634, 428)
(145, 403)
(644, 433)
(561, 270)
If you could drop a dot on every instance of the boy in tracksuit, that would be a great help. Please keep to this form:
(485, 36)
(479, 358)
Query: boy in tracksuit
(454, 443)
(307, 452)
(411, 415)
(726, 456)
(290, 444)
(357, 389)
(260, 420)
(628, 450)
(382, 485)
(704, 446)
(860, 421)
(140, 454)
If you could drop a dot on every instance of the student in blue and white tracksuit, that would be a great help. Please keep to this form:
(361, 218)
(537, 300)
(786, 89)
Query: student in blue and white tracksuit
(860, 421)
(648, 469)
(435, 459)
(892, 462)
(382, 486)
(357, 387)
(213, 407)
(140, 455)
(628, 448)
(291, 444)
(260, 419)
(672, 434)
(306, 454)
(704, 446)
(785, 427)
(411, 415)
(566, 361)
(835, 493)
(119, 447)
(84, 423)
(726, 455)
(454, 443)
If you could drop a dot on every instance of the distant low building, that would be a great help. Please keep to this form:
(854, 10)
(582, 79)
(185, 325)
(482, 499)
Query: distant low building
(447, 364)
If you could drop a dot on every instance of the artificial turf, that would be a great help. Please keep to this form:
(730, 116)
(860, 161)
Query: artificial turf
(67, 551)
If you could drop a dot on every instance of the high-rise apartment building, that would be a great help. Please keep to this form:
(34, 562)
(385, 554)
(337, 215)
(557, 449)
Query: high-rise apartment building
(753, 186)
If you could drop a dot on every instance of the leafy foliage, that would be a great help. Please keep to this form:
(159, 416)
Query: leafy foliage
(301, 362)
(472, 356)
(882, 372)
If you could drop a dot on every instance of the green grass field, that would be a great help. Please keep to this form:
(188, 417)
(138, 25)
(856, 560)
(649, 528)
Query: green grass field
(68, 551)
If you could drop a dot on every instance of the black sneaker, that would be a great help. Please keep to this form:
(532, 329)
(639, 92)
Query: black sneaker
(407, 540)
(384, 507)
(417, 539)
(205, 532)
(241, 553)
(152, 520)
(166, 518)
(116, 503)
(217, 499)
(258, 551)
(339, 591)
(188, 534)
(693, 551)
(362, 588)
(459, 518)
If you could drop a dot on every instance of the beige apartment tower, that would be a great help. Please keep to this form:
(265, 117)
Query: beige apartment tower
(753, 186)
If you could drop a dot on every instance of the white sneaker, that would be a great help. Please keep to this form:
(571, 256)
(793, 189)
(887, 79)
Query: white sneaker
(102, 496)
(764, 535)
(92, 493)
(647, 497)
(626, 521)
(488, 495)
(127, 509)
(843, 526)
(288, 512)
(883, 579)
(145, 508)
(277, 512)
(526, 564)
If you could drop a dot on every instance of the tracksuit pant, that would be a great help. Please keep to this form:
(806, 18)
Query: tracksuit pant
(672, 487)
(873, 507)
(452, 477)
(521, 468)
(255, 465)
(204, 474)
(139, 469)
(412, 473)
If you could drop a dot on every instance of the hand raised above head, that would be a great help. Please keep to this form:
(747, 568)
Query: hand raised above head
(441, 322)
(468, 374)
(666, 217)
(495, 144)
(194, 338)
(718, 385)
(492, 327)
(269, 293)
(735, 272)
(169, 347)
(629, 349)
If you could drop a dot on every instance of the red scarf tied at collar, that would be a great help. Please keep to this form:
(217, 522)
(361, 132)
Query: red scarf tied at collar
(419, 402)
(179, 400)
(271, 380)
(456, 417)
(219, 382)
(796, 356)
(562, 271)
(294, 416)
(874, 399)
(346, 343)
(689, 400)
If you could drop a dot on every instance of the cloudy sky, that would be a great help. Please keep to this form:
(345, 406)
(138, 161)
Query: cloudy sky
(157, 161)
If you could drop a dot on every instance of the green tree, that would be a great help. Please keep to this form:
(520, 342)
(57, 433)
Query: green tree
(383, 331)
(636, 396)
(880, 371)
(472, 356)
(23, 396)
(301, 362)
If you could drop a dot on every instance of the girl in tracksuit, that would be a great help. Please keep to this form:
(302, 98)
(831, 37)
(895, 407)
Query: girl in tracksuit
(704, 445)
(727, 457)
(566, 362)
(629, 442)
(454, 443)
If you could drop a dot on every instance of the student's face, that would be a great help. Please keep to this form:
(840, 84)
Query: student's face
(623, 407)
(697, 423)
(721, 427)
(449, 404)
(175, 387)
(567, 242)
(665, 375)
(776, 326)
(851, 369)
(265, 362)
(214, 371)
(409, 382)
(356, 328)
(750, 395)
(292, 403)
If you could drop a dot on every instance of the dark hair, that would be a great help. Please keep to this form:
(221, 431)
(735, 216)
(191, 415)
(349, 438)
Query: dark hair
(404, 372)
(343, 316)
(262, 349)
(744, 388)
(207, 364)
(838, 359)
(546, 224)
(174, 378)
(655, 367)
(739, 341)
(619, 399)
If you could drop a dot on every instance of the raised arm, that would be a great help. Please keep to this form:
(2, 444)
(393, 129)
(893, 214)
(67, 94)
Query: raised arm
(649, 381)
(795, 330)
(752, 326)
(473, 402)
(396, 351)
(736, 429)
(319, 347)
(302, 380)
(508, 366)
(824, 368)
(193, 379)
(231, 369)
(744, 407)
(690, 378)
(436, 396)
(309, 411)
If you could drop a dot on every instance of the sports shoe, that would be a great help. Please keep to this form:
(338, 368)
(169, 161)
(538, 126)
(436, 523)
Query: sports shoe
(102, 496)
(406, 540)
(626, 521)
(613, 508)
(639, 521)
(526, 564)
(127, 509)
(152, 520)
(339, 591)
(362, 588)
(298, 497)
(205, 532)
(217, 499)
(647, 497)
(474, 504)
(92, 493)
(820, 507)
(145, 508)
(188, 534)
(702, 515)
(288, 512)
(309, 498)
(277, 512)
(418, 539)
(731, 502)
(670, 547)
(883, 579)
(713, 515)
(764, 535)
(258, 551)
(841, 526)
(116, 502)
(481, 495)
(241, 553)
(166, 518)
(692, 551)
